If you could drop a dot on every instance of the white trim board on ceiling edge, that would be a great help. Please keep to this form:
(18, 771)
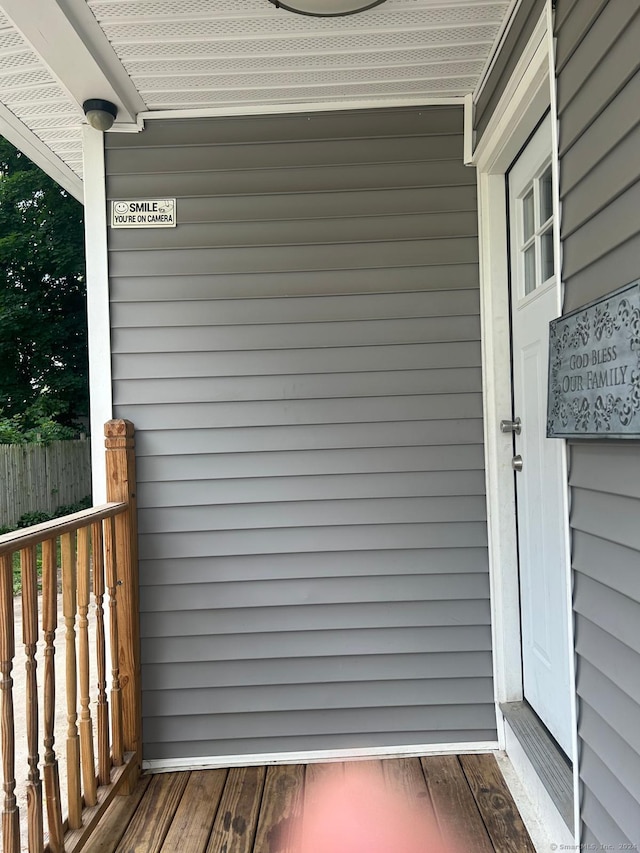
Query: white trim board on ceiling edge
(496, 47)
(317, 756)
(530, 70)
(284, 109)
(35, 149)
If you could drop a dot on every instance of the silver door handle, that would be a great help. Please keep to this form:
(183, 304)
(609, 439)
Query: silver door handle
(516, 463)
(511, 426)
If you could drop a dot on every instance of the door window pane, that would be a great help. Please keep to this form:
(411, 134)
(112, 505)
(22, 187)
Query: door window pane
(529, 270)
(547, 254)
(528, 221)
(546, 196)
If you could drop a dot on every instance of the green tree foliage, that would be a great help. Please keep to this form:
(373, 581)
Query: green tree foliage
(43, 321)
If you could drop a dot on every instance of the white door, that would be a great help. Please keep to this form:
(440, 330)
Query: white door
(540, 483)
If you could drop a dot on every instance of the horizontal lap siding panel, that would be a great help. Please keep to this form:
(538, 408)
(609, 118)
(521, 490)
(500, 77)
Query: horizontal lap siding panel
(300, 357)
(318, 670)
(308, 539)
(321, 721)
(198, 624)
(167, 749)
(257, 258)
(324, 386)
(520, 31)
(148, 366)
(298, 310)
(328, 696)
(315, 283)
(454, 457)
(365, 125)
(337, 179)
(463, 329)
(319, 487)
(274, 568)
(309, 644)
(264, 211)
(325, 591)
(250, 439)
(459, 223)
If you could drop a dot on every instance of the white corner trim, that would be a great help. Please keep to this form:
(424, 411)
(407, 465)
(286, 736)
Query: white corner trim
(26, 141)
(557, 218)
(76, 52)
(286, 109)
(95, 218)
(526, 82)
(315, 756)
(500, 487)
(468, 130)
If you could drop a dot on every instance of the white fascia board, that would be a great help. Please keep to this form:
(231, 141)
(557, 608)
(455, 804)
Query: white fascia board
(26, 141)
(98, 321)
(70, 42)
(286, 109)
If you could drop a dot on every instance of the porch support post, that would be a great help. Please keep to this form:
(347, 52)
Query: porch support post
(98, 323)
(121, 486)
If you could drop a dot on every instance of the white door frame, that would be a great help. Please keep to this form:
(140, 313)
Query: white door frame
(526, 97)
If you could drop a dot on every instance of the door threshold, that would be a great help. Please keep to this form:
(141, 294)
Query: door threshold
(550, 763)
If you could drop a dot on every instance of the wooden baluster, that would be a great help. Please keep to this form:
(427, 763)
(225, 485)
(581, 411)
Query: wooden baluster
(30, 639)
(86, 725)
(49, 626)
(104, 760)
(10, 813)
(121, 486)
(67, 547)
(117, 748)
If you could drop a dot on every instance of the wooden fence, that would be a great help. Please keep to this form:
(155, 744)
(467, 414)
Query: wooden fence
(41, 478)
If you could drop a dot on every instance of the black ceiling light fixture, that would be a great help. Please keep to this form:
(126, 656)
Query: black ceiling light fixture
(326, 8)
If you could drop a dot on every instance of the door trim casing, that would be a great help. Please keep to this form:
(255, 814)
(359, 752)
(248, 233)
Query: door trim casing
(528, 94)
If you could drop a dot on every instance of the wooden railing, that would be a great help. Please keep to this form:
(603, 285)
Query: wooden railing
(86, 555)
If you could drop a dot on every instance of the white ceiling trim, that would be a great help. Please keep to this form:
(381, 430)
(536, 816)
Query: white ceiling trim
(286, 109)
(75, 51)
(19, 135)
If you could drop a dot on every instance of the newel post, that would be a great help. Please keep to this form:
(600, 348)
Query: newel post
(121, 486)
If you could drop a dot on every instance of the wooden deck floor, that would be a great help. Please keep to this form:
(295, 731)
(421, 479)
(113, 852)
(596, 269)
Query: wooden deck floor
(253, 809)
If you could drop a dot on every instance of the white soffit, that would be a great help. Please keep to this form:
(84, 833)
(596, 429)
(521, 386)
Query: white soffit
(224, 57)
(36, 113)
(232, 54)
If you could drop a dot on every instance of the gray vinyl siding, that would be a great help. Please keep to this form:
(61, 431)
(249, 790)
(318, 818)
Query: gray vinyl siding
(598, 96)
(520, 31)
(301, 360)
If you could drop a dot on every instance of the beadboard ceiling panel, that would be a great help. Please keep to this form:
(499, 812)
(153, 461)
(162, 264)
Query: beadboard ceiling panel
(228, 57)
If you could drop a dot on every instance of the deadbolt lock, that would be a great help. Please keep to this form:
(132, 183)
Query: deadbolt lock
(511, 426)
(516, 463)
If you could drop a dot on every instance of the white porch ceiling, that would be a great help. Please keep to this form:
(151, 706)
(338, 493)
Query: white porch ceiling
(226, 57)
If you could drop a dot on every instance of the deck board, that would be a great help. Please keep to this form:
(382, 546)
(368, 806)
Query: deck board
(260, 809)
(153, 817)
(193, 821)
(500, 816)
(454, 804)
(235, 825)
(281, 809)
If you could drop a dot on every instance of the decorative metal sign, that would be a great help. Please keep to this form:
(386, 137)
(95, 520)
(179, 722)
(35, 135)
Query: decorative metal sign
(144, 213)
(594, 369)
